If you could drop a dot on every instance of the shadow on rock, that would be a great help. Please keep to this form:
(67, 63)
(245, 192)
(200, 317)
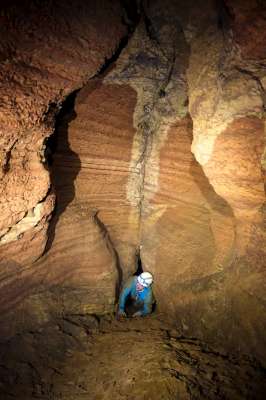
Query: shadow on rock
(64, 163)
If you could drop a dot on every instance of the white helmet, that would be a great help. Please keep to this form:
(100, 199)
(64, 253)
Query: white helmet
(145, 279)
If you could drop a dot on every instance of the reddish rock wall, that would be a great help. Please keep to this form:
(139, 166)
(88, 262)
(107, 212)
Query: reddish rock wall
(151, 194)
(47, 51)
(227, 104)
(187, 229)
(92, 161)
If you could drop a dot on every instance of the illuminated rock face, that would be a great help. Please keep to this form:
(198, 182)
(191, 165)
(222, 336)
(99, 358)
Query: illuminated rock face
(128, 157)
(82, 263)
(47, 51)
(161, 157)
(227, 105)
(92, 162)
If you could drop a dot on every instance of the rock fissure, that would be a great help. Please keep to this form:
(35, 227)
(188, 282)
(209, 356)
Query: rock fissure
(147, 119)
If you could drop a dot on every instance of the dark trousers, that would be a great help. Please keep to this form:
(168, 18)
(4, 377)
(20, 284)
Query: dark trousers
(133, 306)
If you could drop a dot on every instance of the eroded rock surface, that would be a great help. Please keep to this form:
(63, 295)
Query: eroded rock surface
(92, 162)
(47, 51)
(196, 223)
(227, 104)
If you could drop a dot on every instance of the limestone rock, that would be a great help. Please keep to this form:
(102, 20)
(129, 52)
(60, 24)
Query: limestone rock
(126, 151)
(227, 103)
(92, 162)
(79, 274)
(47, 51)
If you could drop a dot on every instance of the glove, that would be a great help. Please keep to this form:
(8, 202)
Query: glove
(137, 314)
(121, 314)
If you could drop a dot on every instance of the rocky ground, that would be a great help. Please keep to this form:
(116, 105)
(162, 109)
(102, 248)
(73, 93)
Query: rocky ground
(82, 357)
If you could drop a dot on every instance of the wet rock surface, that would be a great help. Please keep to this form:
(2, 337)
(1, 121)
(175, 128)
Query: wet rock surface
(83, 357)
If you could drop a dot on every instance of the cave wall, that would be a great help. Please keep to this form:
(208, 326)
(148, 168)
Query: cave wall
(162, 156)
(227, 105)
(47, 51)
(97, 158)
(195, 219)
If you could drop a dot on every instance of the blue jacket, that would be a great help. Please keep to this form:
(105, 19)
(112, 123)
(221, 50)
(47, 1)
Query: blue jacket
(144, 297)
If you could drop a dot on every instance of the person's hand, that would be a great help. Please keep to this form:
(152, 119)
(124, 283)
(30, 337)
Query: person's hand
(121, 314)
(137, 314)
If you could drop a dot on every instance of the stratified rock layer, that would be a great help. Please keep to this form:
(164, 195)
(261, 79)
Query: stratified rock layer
(92, 162)
(79, 275)
(126, 152)
(187, 230)
(83, 264)
(227, 105)
(47, 51)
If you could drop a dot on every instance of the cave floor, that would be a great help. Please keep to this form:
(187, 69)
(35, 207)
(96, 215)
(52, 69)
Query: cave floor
(82, 358)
